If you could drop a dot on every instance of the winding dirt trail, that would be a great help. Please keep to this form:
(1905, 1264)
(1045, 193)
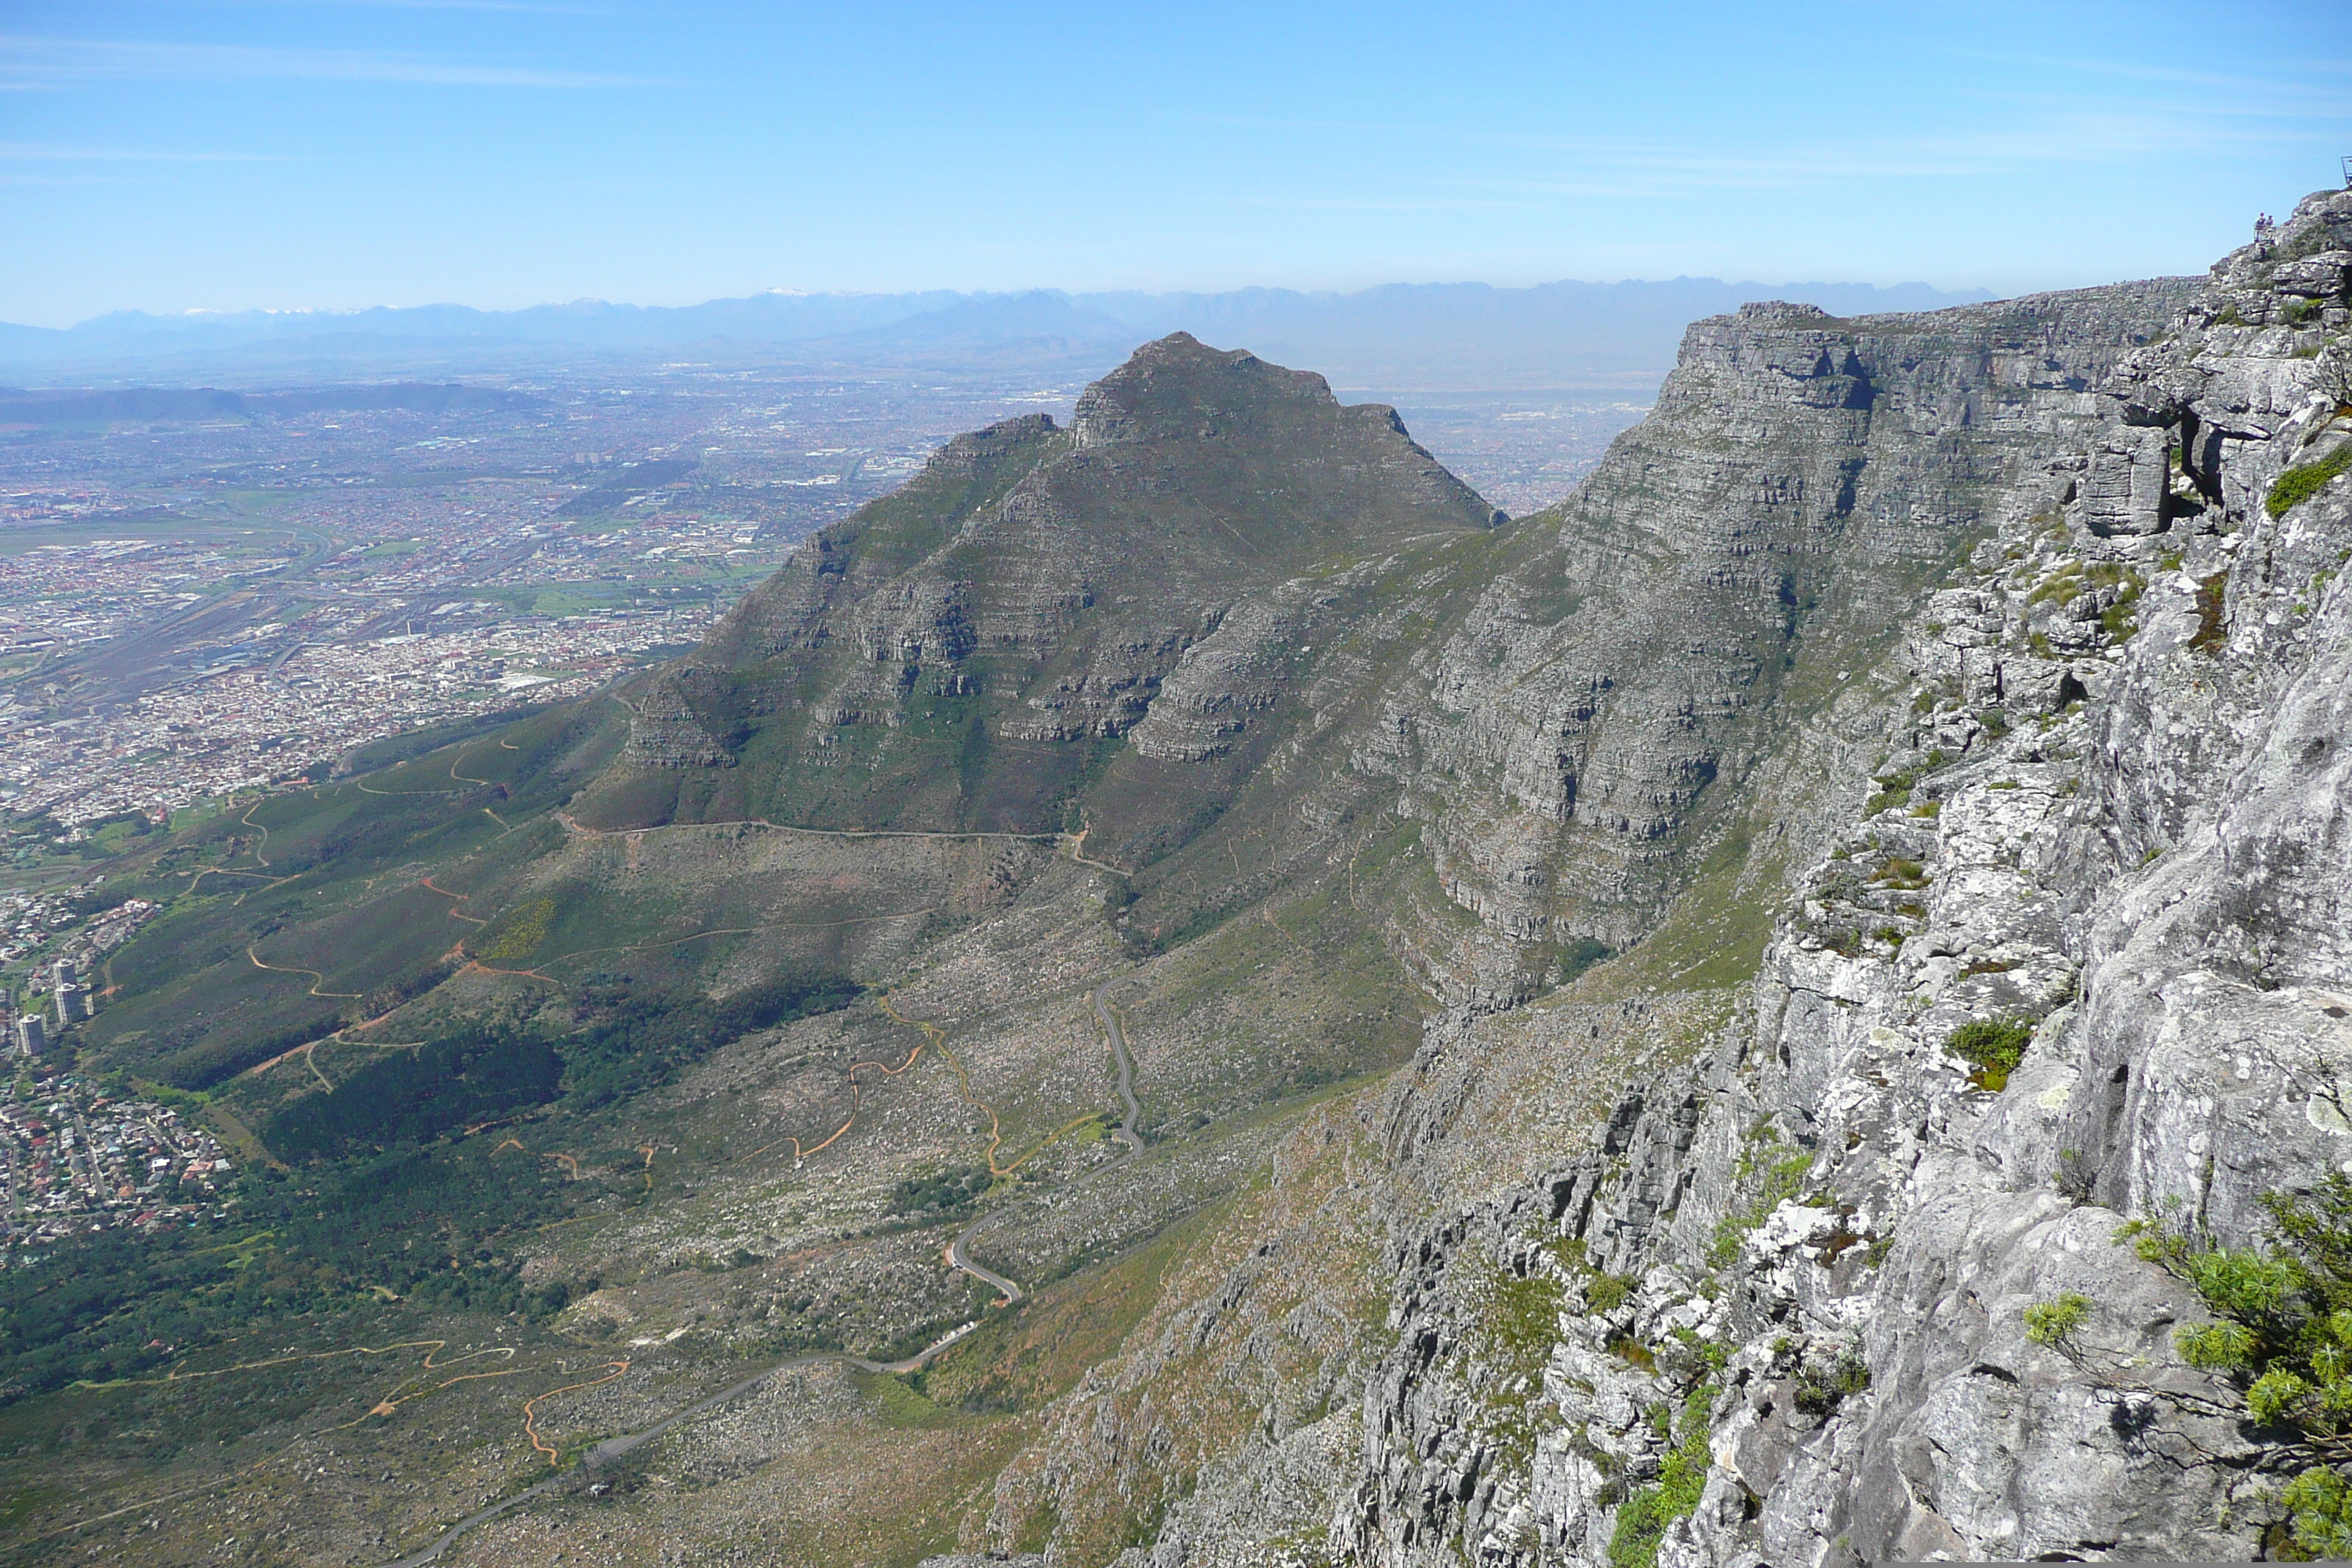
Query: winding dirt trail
(935, 1036)
(799, 1154)
(224, 871)
(477, 966)
(395, 1398)
(246, 821)
(956, 1255)
(401, 794)
(430, 1347)
(454, 912)
(738, 930)
(1074, 842)
(568, 1162)
(530, 1405)
(317, 979)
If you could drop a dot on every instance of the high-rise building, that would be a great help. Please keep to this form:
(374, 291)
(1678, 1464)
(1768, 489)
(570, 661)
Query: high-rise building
(32, 1034)
(73, 1001)
(64, 973)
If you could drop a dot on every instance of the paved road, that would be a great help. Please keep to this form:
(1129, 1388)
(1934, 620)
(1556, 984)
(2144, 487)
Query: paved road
(959, 1259)
(1126, 1133)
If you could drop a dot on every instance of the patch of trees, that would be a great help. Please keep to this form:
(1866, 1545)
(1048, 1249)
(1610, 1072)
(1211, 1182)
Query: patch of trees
(423, 1226)
(635, 1040)
(216, 1061)
(940, 1191)
(631, 1042)
(478, 1076)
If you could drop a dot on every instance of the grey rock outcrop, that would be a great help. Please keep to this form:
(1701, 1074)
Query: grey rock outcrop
(2113, 801)
(1733, 559)
(1035, 591)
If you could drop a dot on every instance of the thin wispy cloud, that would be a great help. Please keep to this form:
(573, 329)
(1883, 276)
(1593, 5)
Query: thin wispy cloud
(2250, 88)
(50, 152)
(1342, 204)
(1531, 164)
(57, 62)
(526, 7)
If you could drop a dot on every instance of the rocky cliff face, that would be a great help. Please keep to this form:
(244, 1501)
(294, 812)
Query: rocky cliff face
(1898, 675)
(2111, 803)
(960, 653)
(1736, 559)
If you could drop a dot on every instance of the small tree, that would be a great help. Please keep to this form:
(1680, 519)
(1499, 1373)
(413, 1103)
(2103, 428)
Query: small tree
(2053, 1323)
(2282, 1329)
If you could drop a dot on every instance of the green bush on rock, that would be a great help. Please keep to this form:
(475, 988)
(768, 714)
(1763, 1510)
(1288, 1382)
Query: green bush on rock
(1994, 1046)
(1682, 1478)
(2300, 483)
(2283, 1327)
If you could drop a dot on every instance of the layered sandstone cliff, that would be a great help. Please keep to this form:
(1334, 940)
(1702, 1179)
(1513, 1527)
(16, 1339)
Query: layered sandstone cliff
(2121, 729)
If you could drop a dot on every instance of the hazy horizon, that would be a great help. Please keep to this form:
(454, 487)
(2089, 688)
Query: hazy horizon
(199, 312)
(165, 157)
(1393, 339)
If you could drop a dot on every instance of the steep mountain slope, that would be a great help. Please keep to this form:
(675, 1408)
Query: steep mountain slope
(2115, 813)
(1660, 715)
(959, 655)
(1598, 723)
(1905, 687)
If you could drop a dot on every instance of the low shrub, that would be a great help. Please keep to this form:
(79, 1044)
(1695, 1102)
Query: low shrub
(1994, 1046)
(2300, 483)
(2054, 1322)
(1820, 1390)
(1682, 1477)
(1607, 1292)
(2282, 1329)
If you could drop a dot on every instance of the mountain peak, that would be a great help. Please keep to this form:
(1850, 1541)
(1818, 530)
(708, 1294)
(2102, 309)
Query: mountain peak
(1180, 386)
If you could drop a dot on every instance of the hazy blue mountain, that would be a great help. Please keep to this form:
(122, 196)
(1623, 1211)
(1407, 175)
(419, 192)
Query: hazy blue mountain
(1435, 336)
(180, 404)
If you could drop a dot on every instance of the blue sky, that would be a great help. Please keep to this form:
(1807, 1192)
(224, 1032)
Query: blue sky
(184, 155)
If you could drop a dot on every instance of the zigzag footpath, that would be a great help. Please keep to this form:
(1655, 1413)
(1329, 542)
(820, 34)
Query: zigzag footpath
(955, 1253)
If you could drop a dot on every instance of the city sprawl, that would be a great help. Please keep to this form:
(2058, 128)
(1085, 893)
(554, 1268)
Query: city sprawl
(81, 1160)
(192, 605)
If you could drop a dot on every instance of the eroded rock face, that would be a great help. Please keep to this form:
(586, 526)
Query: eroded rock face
(948, 656)
(1800, 485)
(2113, 802)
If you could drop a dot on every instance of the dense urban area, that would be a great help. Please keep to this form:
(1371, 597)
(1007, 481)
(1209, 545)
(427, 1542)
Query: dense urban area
(192, 606)
(81, 1160)
(201, 603)
(194, 603)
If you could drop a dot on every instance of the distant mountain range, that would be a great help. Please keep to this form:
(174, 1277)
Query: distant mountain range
(1443, 336)
(182, 404)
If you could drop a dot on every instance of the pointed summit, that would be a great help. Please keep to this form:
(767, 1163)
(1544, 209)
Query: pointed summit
(1179, 386)
(1040, 587)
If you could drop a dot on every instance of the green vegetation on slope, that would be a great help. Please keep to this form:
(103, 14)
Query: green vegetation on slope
(302, 1250)
(2282, 1329)
(2300, 483)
